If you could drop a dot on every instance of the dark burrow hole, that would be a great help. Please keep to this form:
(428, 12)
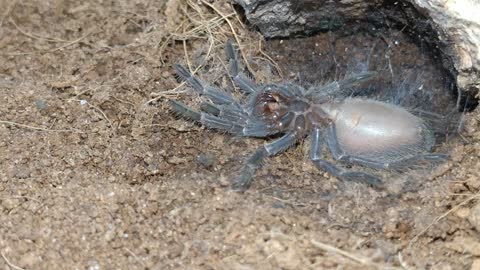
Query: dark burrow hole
(414, 67)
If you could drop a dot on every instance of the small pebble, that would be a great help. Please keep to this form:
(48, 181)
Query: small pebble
(476, 265)
(175, 160)
(166, 74)
(21, 171)
(40, 104)
(474, 217)
(205, 160)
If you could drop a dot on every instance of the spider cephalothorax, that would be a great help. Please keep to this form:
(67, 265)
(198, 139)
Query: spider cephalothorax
(284, 110)
(359, 131)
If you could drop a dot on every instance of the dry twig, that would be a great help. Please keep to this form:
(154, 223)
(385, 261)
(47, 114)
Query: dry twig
(30, 35)
(205, 22)
(96, 109)
(269, 58)
(7, 12)
(455, 208)
(438, 219)
(38, 128)
(67, 44)
(354, 257)
(11, 265)
(237, 39)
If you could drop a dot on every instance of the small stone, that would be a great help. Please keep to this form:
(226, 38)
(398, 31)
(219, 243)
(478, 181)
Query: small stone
(463, 212)
(21, 172)
(474, 216)
(224, 181)
(464, 245)
(93, 265)
(285, 255)
(166, 74)
(475, 265)
(29, 260)
(9, 203)
(176, 160)
(109, 235)
(152, 169)
(440, 170)
(458, 153)
(40, 104)
(473, 182)
(206, 160)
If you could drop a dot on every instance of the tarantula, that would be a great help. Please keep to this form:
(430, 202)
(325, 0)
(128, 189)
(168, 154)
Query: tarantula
(355, 130)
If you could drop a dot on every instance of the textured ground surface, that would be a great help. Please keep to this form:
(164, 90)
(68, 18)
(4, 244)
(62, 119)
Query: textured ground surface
(92, 177)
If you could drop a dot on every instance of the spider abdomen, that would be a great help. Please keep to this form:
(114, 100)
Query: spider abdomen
(377, 130)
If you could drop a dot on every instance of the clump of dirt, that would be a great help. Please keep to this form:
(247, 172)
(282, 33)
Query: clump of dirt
(96, 173)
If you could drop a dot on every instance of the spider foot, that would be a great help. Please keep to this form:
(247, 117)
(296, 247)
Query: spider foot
(241, 184)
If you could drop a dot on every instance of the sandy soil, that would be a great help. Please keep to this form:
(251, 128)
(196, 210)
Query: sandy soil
(94, 177)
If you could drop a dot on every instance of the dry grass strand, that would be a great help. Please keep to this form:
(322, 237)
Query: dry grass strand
(354, 257)
(438, 219)
(11, 265)
(10, 123)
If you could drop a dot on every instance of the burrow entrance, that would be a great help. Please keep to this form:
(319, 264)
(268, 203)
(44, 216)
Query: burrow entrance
(393, 39)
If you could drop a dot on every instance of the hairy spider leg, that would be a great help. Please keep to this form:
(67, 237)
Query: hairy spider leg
(184, 111)
(256, 159)
(339, 154)
(208, 120)
(210, 108)
(440, 124)
(316, 150)
(216, 95)
(341, 87)
(228, 112)
(250, 127)
(225, 113)
(244, 82)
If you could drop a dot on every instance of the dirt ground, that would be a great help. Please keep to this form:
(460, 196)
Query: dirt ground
(96, 173)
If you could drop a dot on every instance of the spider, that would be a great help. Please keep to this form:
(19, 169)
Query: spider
(355, 130)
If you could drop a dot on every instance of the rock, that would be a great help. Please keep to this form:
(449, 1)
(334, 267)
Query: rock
(460, 24)
(283, 18)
